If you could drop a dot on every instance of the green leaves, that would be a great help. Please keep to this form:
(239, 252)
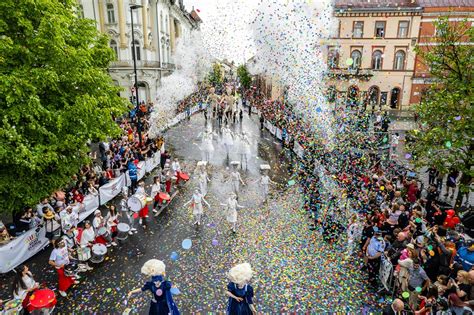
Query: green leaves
(55, 94)
(244, 76)
(446, 136)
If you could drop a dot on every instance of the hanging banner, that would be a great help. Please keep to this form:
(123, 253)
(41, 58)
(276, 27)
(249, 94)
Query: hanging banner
(278, 133)
(298, 149)
(141, 169)
(111, 189)
(385, 273)
(22, 248)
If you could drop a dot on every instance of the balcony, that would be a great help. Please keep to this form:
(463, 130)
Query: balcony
(350, 73)
(140, 64)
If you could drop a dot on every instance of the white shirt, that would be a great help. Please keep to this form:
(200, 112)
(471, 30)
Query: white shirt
(21, 294)
(88, 236)
(175, 167)
(265, 180)
(98, 222)
(60, 256)
(155, 189)
(140, 190)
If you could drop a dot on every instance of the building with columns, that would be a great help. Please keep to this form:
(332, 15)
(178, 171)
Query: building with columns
(157, 27)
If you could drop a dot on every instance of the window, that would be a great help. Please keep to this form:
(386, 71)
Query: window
(113, 45)
(110, 13)
(377, 60)
(374, 96)
(380, 29)
(399, 62)
(137, 50)
(403, 29)
(383, 98)
(356, 56)
(333, 59)
(80, 11)
(358, 29)
(395, 98)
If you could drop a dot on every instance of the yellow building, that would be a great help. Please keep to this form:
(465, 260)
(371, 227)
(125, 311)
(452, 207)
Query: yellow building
(371, 60)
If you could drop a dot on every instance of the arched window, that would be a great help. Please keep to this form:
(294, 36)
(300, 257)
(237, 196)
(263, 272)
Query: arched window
(374, 96)
(377, 60)
(110, 13)
(113, 45)
(136, 52)
(399, 62)
(333, 59)
(395, 98)
(356, 56)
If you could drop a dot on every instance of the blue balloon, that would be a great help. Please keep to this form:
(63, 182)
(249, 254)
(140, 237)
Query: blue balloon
(187, 243)
(174, 256)
(175, 291)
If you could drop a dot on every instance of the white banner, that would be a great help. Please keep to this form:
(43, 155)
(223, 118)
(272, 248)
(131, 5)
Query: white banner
(385, 273)
(278, 133)
(298, 149)
(22, 248)
(90, 203)
(141, 169)
(111, 189)
(272, 129)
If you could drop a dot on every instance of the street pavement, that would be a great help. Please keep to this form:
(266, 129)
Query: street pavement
(294, 269)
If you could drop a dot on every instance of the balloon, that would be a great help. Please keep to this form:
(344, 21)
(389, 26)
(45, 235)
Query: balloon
(175, 291)
(215, 242)
(135, 215)
(449, 223)
(382, 188)
(450, 213)
(174, 256)
(187, 243)
(405, 295)
(407, 156)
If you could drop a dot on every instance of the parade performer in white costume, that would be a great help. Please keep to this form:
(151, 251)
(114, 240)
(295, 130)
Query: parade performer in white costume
(231, 210)
(236, 180)
(203, 180)
(206, 143)
(227, 139)
(265, 181)
(244, 149)
(197, 199)
(213, 101)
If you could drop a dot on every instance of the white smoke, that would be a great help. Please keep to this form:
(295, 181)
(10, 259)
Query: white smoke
(193, 62)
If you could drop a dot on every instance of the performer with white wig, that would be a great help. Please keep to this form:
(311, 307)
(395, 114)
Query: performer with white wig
(227, 139)
(240, 293)
(162, 301)
(244, 149)
(236, 180)
(231, 210)
(197, 200)
(206, 143)
(203, 180)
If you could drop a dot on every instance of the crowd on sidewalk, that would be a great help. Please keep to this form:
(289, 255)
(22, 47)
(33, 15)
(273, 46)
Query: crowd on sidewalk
(386, 213)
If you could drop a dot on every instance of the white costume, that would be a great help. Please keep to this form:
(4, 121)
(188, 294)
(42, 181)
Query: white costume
(227, 139)
(88, 236)
(203, 179)
(197, 199)
(206, 143)
(236, 180)
(175, 167)
(231, 210)
(245, 147)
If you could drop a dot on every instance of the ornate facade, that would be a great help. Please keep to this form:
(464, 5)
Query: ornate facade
(157, 26)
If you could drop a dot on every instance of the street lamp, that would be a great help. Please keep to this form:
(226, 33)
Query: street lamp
(134, 54)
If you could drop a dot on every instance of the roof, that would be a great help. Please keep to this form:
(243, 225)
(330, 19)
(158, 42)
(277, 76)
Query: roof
(378, 3)
(445, 3)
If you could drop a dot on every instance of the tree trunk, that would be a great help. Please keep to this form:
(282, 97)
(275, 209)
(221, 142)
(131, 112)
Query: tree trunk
(463, 185)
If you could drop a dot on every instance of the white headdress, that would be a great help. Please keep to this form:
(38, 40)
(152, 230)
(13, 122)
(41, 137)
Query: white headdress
(153, 267)
(240, 274)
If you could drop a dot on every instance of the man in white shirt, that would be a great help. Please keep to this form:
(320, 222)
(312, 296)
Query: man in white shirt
(41, 205)
(69, 217)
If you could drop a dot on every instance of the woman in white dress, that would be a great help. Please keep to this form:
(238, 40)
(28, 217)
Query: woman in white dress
(227, 139)
(231, 210)
(197, 199)
(206, 143)
(245, 148)
(265, 181)
(24, 283)
(203, 180)
(236, 180)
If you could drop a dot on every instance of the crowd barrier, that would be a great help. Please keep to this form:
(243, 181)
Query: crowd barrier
(33, 241)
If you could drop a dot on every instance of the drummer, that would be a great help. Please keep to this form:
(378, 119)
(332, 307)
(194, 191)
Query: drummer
(23, 286)
(98, 223)
(176, 169)
(112, 220)
(59, 258)
(143, 213)
(155, 192)
(127, 215)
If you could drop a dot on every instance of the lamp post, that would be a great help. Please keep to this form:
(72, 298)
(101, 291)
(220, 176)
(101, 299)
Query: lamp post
(134, 54)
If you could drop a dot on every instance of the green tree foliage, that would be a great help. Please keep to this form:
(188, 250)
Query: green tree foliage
(55, 95)
(445, 138)
(216, 76)
(244, 76)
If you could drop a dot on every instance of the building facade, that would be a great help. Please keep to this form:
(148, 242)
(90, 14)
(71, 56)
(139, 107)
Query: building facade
(456, 11)
(371, 60)
(157, 26)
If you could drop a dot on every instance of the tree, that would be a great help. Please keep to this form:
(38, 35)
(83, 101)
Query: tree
(244, 76)
(445, 138)
(215, 77)
(55, 96)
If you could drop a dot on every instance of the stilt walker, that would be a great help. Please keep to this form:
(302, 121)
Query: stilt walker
(231, 210)
(197, 199)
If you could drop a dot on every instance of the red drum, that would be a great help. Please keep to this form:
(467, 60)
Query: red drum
(164, 196)
(44, 298)
(183, 176)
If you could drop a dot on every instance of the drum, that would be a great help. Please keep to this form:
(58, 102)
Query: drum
(98, 253)
(103, 232)
(123, 229)
(183, 176)
(44, 298)
(136, 202)
(164, 196)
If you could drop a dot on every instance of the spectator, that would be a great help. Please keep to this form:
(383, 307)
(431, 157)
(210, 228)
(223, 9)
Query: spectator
(418, 280)
(465, 256)
(395, 308)
(23, 285)
(41, 205)
(51, 225)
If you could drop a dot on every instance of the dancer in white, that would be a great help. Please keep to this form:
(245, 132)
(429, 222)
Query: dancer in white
(197, 200)
(265, 181)
(227, 139)
(229, 105)
(354, 232)
(244, 149)
(236, 179)
(203, 180)
(212, 101)
(206, 143)
(231, 210)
